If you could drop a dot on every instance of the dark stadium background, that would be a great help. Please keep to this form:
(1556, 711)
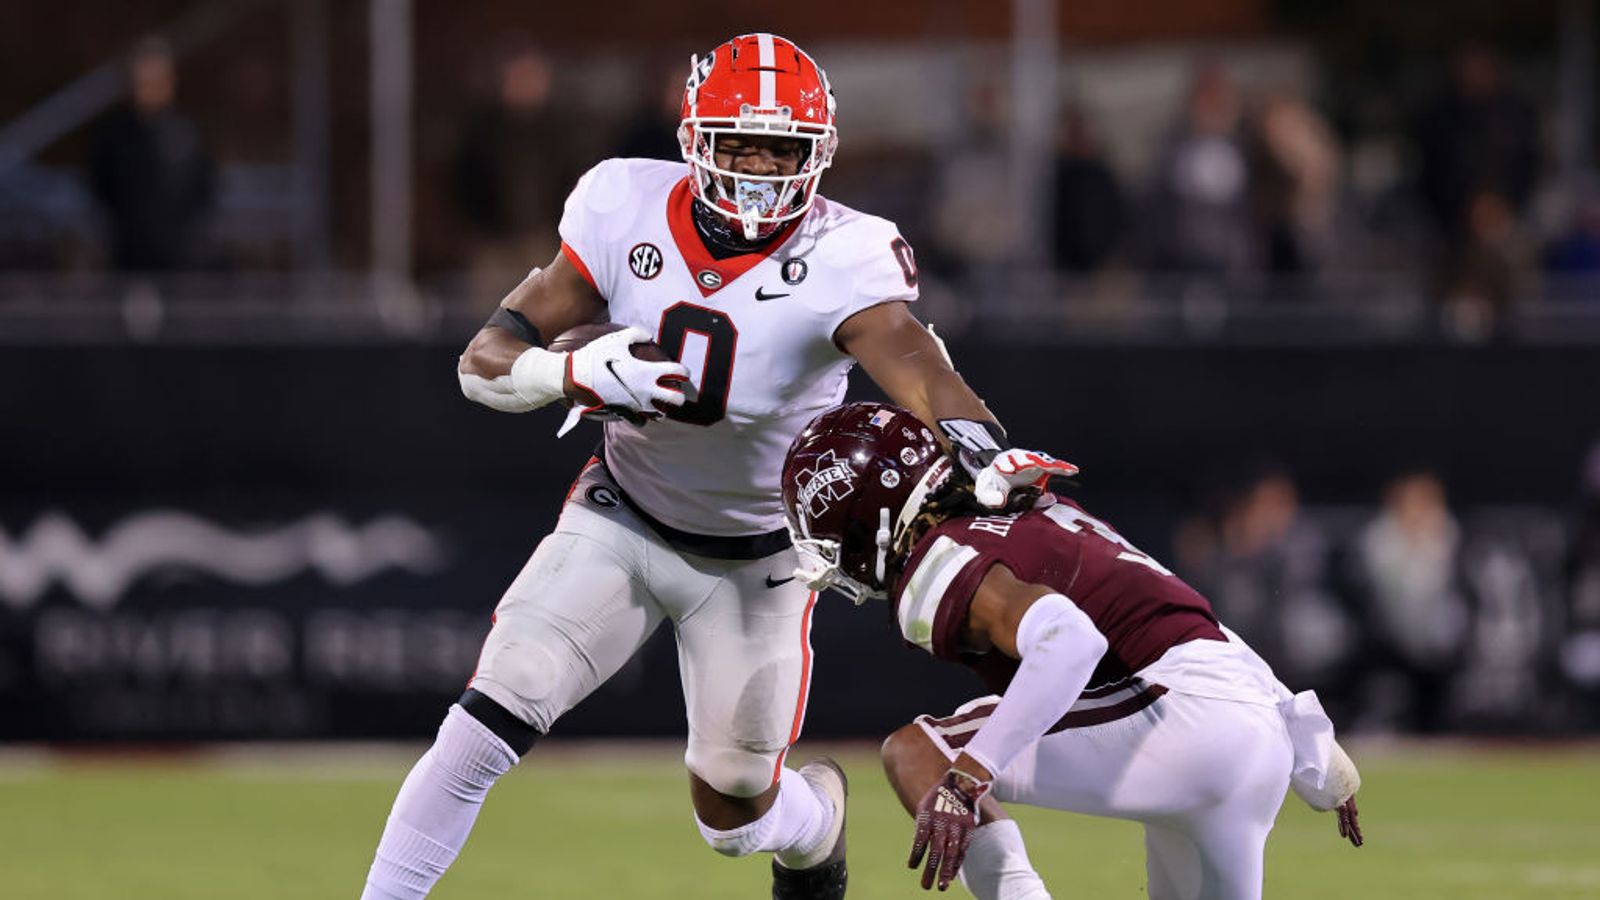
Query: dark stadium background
(241, 497)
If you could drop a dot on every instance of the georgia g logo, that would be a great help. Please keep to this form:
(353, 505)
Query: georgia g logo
(645, 261)
(828, 483)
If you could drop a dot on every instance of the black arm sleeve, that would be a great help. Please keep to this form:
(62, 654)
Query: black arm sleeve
(516, 323)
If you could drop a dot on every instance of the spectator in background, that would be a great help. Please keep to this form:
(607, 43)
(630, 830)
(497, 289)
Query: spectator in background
(513, 169)
(1478, 152)
(1200, 222)
(976, 227)
(149, 170)
(1417, 613)
(1294, 175)
(1089, 205)
(1486, 266)
(652, 131)
(1264, 565)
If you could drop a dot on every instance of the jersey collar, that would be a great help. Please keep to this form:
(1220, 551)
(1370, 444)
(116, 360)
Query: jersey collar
(709, 273)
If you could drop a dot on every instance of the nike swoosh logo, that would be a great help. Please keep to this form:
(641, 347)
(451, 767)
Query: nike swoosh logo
(763, 295)
(771, 583)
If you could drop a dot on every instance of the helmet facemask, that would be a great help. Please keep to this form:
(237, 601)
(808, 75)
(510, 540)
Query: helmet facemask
(795, 102)
(756, 204)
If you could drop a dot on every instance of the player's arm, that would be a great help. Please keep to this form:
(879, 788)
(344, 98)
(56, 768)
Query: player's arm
(1058, 647)
(911, 366)
(505, 366)
(905, 360)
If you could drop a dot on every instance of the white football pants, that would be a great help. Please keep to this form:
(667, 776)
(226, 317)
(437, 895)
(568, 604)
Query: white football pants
(597, 587)
(1204, 776)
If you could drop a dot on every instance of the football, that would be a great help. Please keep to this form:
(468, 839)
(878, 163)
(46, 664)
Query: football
(573, 338)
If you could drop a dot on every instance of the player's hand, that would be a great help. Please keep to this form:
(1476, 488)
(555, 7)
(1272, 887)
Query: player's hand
(1349, 825)
(605, 377)
(1017, 475)
(946, 819)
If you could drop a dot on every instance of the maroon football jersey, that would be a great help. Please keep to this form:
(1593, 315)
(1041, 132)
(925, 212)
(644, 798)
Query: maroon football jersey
(1140, 607)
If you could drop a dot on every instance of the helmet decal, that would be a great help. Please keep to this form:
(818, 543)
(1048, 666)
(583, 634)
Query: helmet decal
(854, 482)
(829, 482)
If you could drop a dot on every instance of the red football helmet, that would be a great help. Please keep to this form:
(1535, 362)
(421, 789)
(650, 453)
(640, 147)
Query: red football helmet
(757, 84)
(853, 482)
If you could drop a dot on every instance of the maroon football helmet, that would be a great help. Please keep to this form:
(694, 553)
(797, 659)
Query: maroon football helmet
(853, 481)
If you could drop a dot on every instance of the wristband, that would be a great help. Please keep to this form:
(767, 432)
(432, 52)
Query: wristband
(539, 376)
(976, 443)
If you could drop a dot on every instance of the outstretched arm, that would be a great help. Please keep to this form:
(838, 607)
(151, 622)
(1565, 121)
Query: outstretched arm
(911, 366)
(903, 358)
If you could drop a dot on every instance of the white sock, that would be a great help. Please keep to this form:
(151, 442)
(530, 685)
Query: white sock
(795, 825)
(436, 807)
(997, 866)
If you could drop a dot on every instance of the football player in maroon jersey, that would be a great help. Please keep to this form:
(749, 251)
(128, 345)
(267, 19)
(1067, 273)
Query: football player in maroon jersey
(1116, 690)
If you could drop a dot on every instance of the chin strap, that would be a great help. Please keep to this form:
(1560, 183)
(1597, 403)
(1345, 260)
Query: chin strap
(882, 539)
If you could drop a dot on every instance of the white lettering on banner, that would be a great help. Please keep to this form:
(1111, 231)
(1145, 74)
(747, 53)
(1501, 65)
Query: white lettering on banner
(191, 645)
(391, 649)
(55, 549)
(1073, 519)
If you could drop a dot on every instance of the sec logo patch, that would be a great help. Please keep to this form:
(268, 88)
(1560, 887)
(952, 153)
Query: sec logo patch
(645, 261)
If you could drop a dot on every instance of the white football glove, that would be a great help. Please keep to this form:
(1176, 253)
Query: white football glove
(620, 384)
(1014, 469)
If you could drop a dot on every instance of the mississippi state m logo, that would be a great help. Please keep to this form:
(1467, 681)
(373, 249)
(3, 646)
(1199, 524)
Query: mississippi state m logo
(828, 483)
(645, 261)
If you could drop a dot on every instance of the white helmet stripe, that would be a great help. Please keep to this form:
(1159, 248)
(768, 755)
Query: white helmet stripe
(767, 58)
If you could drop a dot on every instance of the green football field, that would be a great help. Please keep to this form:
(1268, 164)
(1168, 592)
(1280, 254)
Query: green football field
(612, 821)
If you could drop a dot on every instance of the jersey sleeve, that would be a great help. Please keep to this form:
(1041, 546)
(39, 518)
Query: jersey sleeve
(938, 594)
(882, 268)
(595, 217)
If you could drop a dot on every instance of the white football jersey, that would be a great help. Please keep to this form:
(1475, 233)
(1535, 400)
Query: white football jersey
(755, 331)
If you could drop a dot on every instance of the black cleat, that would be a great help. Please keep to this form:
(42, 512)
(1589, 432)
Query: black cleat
(826, 878)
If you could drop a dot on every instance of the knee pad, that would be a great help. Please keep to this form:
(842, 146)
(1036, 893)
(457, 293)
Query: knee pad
(733, 771)
(524, 678)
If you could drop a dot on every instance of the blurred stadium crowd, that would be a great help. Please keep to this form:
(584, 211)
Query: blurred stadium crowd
(1289, 168)
(1435, 189)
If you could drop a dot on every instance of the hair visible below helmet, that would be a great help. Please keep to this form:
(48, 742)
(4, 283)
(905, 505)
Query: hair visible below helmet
(854, 481)
(757, 84)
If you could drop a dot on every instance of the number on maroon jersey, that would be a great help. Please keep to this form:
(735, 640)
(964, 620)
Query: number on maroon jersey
(908, 263)
(1073, 519)
(721, 340)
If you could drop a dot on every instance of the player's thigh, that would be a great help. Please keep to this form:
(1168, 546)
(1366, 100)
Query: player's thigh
(1215, 857)
(1171, 863)
(744, 656)
(1181, 756)
(574, 615)
(1207, 838)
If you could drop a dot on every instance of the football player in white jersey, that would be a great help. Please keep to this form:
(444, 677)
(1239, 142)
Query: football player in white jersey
(764, 294)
